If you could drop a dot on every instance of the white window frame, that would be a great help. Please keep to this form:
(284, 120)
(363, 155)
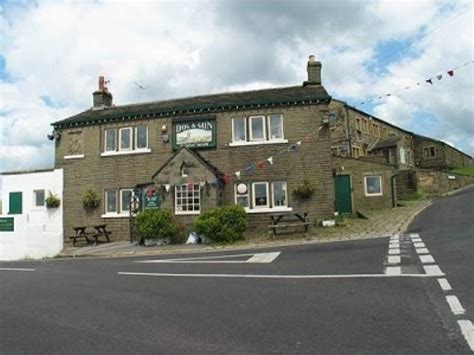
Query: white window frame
(245, 130)
(264, 129)
(273, 194)
(270, 127)
(136, 137)
(106, 199)
(105, 140)
(195, 188)
(236, 194)
(254, 204)
(130, 129)
(381, 185)
(34, 198)
(121, 201)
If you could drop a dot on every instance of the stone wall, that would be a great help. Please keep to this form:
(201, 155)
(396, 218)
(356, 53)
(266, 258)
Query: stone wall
(431, 182)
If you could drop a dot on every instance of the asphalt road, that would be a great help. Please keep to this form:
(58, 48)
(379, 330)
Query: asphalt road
(323, 298)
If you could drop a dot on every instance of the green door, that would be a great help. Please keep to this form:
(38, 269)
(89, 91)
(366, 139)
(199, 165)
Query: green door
(15, 203)
(342, 185)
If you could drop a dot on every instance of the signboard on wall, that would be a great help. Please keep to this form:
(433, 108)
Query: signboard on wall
(7, 224)
(151, 199)
(194, 132)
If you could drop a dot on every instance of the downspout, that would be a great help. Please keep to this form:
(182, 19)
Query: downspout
(348, 130)
(392, 185)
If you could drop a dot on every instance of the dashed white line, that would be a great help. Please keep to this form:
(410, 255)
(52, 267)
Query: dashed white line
(433, 270)
(414, 235)
(455, 305)
(422, 251)
(467, 329)
(419, 245)
(393, 270)
(426, 259)
(444, 284)
(394, 251)
(394, 259)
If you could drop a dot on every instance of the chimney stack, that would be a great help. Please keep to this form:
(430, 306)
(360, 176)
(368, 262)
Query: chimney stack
(314, 72)
(102, 98)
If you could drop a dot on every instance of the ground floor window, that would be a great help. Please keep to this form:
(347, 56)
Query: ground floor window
(39, 198)
(187, 199)
(117, 201)
(261, 195)
(373, 185)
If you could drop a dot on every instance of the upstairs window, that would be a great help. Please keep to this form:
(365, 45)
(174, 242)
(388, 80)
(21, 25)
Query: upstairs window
(429, 152)
(110, 144)
(39, 198)
(258, 129)
(141, 137)
(125, 138)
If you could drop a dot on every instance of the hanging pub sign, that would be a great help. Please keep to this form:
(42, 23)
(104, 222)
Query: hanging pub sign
(194, 132)
(151, 198)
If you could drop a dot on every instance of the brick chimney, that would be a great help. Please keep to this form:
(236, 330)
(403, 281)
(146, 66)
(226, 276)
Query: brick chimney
(314, 72)
(102, 98)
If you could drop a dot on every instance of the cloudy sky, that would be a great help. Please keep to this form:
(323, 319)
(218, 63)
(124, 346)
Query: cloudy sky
(51, 53)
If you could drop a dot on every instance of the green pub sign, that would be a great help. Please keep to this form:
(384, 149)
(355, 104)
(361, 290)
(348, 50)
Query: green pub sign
(194, 132)
(151, 199)
(7, 224)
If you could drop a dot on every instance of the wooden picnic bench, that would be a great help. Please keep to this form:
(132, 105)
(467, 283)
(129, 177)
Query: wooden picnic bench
(100, 232)
(286, 220)
(80, 232)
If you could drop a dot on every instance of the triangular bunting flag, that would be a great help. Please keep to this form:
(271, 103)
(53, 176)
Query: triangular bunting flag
(429, 81)
(227, 179)
(167, 187)
(270, 160)
(237, 173)
(293, 147)
(439, 76)
(260, 164)
(298, 143)
(450, 72)
(250, 169)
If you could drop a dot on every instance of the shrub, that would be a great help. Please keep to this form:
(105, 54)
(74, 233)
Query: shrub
(223, 224)
(155, 224)
(52, 201)
(90, 200)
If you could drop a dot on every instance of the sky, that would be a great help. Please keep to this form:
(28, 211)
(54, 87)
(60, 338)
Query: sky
(52, 52)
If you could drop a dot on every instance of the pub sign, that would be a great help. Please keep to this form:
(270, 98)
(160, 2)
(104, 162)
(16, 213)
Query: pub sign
(194, 132)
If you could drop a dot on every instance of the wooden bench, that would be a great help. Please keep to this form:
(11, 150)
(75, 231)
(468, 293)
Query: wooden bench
(80, 232)
(286, 220)
(100, 232)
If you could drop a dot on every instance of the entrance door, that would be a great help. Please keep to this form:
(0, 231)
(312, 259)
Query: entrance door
(342, 186)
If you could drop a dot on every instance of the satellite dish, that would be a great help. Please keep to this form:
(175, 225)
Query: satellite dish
(50, 137)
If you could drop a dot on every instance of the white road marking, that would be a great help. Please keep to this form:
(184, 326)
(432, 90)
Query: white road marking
(455, 305)
(394, 259)
(254, 258)
(422, 251)
(467, 329)
(393, 270)
(414, 235)
(418, 240)
(15, 269)
(394, 251)
(444, 284)
(433, 270)
(253, 276)
(426, 259)
(419, 245)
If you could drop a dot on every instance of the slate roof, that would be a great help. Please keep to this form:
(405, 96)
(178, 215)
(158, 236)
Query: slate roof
(293, 95)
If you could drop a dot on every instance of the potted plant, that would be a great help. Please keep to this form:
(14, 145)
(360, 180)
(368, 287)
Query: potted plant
(304, 189)
(52, 201)
(90, 200)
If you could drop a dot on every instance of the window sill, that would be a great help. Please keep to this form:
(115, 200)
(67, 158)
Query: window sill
(272, 141)
(125, 152)
(187, 213)
(115, 215)
(77, 156)
(373, 195)
(269, 210)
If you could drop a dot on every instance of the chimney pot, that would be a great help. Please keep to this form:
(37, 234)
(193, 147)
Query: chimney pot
(102, 98)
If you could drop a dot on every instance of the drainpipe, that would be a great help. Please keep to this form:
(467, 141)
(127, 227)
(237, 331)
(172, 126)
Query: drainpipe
(348, 130)
(392, 185)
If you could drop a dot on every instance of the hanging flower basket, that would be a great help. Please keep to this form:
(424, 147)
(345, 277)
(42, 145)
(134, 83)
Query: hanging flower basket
(52, 201)
(305, 189)
(90, 200)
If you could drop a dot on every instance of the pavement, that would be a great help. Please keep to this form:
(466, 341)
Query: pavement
(380, 223)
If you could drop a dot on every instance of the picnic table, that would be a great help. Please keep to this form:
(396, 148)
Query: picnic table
(100, 232)
(286, 220)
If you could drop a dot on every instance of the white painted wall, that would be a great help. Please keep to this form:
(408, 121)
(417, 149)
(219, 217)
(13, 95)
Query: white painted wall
(38, 230)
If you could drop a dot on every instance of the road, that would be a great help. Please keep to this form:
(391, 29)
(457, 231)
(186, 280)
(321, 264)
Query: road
(365, 296)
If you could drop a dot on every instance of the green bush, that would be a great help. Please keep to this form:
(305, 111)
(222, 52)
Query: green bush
(156, 224)
(223, 224)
